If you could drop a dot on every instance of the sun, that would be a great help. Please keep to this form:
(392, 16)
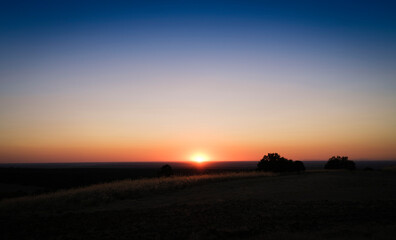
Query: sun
(199, 158)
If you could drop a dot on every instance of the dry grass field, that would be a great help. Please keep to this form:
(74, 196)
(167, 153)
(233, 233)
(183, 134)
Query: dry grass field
(100, 194)
(313, 205)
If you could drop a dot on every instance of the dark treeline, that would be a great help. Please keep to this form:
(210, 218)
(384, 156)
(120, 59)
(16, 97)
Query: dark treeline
(273, 162)
(340, 163)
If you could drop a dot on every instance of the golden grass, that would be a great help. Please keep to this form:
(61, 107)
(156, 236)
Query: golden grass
(107, 192)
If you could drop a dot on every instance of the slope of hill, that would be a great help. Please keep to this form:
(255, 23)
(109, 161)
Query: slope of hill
(322, 205)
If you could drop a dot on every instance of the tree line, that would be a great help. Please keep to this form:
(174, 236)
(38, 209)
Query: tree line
(273, 162)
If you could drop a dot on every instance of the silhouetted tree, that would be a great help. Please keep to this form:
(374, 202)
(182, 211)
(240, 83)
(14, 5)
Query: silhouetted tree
(273, 162)
(299, 166)
(340, 163)
(165, 171)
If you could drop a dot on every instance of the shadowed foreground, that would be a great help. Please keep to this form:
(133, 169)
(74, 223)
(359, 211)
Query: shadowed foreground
(326, 205)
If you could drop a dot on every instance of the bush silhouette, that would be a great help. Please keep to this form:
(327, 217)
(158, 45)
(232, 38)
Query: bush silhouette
(340, 163)
(299, 166)
(165, 171)
(273, 162)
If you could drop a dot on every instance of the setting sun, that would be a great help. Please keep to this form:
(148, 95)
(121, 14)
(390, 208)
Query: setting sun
(199, 158)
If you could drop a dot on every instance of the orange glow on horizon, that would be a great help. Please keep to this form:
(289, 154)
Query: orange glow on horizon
(177, 149)
(199, 158)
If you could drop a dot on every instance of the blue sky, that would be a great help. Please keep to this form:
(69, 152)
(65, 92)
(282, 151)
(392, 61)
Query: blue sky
(128, 72)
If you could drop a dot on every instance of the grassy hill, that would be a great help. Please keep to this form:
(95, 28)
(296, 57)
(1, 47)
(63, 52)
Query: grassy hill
(313, 205)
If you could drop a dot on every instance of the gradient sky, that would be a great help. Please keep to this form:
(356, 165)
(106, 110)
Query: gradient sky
(161, 81)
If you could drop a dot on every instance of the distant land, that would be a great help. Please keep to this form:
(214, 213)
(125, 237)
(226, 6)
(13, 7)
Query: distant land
(226, 165)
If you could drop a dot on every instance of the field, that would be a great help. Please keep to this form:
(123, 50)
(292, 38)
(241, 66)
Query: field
(312, 205)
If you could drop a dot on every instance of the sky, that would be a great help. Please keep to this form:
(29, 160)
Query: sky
(166, 80)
